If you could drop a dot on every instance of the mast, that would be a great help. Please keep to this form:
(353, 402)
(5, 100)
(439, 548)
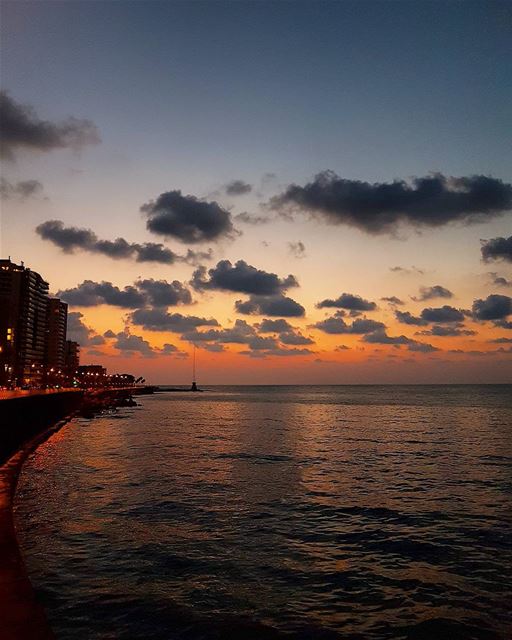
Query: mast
(194, 385)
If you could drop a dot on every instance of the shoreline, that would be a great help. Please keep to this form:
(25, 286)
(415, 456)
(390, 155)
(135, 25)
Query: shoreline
(22, 616)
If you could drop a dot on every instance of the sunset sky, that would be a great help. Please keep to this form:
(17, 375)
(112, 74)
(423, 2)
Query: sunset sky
(310, 192)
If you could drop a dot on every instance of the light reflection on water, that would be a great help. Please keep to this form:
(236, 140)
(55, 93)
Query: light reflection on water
(328, 512)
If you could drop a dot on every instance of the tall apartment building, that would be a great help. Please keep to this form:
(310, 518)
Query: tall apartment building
(72, 359)
(56, 325)
(23, 324)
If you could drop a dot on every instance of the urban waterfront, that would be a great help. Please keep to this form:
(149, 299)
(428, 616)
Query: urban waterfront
(305, 512)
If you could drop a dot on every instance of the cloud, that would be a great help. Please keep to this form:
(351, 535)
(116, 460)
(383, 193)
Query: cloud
(381, 337)
(407, 271)
(249, 218)
(441, 331)
(503, 324)
(348, 301)
(19, 190)
(141, 293)
(277, 351)
(297, 249)
(160, 293)
(275, 306)
(238, 188)
(500, 281)
(78, 331)
(187, 218)
(494, 307)
(130, 344)
(92, 294)
(158, 319)
(406, 317)
(336, 325)
(241, 278)
(274, 326)
(429, 293)
(70, 239)
(393, 301)
(240, 333)
(497, 249)
(442, 314)
(243, 333)
(502, 340)
(294, 338)
(21, 128)
(431, 201)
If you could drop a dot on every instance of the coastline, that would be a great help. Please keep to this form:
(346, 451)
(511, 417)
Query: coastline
(22, 616)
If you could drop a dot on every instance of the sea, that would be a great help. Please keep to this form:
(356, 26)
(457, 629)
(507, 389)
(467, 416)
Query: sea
(276, 512)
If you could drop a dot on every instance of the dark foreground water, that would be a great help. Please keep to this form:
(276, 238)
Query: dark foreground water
(276, 512)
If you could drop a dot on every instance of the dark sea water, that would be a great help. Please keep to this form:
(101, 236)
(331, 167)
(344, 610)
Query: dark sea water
(365, 512)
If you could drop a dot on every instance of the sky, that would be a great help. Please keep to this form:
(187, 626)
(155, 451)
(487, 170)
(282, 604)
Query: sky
(309, 192)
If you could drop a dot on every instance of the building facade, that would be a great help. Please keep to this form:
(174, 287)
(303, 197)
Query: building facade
(57, 318)
(23, 325)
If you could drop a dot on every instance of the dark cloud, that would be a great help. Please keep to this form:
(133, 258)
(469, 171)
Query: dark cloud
(158, 319)
(19, 190)
(494, 307)
(297, 249)
(450, 330)
(275, 306)
(21, 128)
(187, 218)
(70, 239)
(286, 333)
(294, 338)
(240, 333)
(407, 271)
(431, 201)
(337, 325)
(130, 344)
(160, 293)
(393, 300)
(429, 293)
(143, 293)
(499, 281)
(503, 324)
(497, 249)
(91, 294)
(277, 351)
(348, 301)
(406, 317)
(249, 218)
(78, 331)
(442, 314)
(381, 337)
(274, 326)
(241, 278)
(238, 188)
(502, 340)
(243, 333)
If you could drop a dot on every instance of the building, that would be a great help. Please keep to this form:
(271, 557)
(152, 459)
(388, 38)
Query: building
(23, 323)
(72, 356)
(57, 319)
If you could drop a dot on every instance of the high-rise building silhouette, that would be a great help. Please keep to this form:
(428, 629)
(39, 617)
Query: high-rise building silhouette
(57, 317)
(72, 357)
(23, 324)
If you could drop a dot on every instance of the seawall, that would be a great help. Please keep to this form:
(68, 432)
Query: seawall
(27, 420)
(23, 417)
